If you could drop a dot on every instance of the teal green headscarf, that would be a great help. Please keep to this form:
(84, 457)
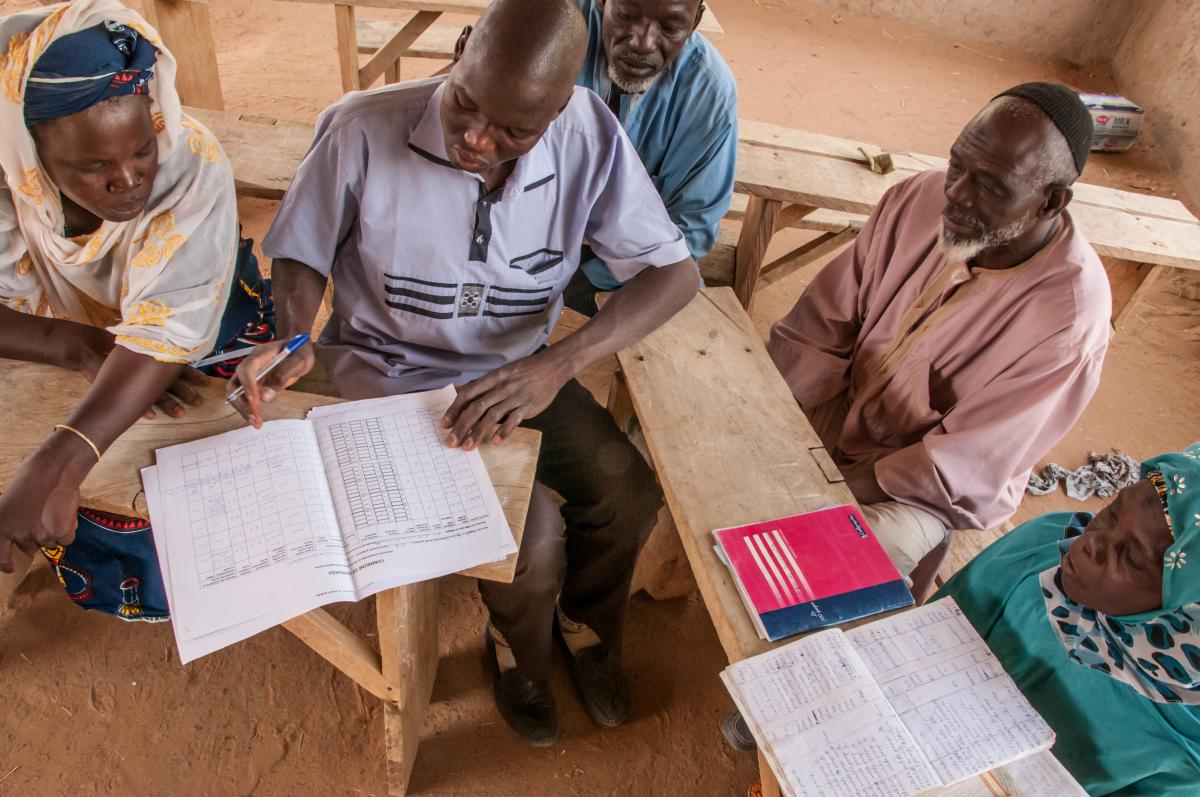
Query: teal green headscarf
(1156, 653)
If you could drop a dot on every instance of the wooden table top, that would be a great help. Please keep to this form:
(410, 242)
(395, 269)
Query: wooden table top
(729, 442)
(35, 397)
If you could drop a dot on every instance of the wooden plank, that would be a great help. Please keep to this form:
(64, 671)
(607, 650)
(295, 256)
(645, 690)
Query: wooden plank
(757, 229)
(767, 781)
(472, 7)
(709, 25)
(825, 171)
(436, 42)
(826, 464)
(729, 442)
(407, 618)
(349, 653)
(803, 141)
(186, 30)
(512, 467)
(810, 180)
(792, 216)
(347, 49)
(1145, 239)
(662, 571)
(801, 256)
(35, 397)
(1144, 281)
(819, 219)
(717, 267)
(264, 152)
(394, 48)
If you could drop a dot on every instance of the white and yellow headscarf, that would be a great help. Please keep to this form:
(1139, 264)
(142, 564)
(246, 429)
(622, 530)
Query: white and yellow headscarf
(158, 282)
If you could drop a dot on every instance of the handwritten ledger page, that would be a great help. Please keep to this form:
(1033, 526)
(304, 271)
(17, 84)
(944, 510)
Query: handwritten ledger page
(890, 709)
(254, 527)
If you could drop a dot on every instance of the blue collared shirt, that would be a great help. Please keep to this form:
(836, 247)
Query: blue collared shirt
(684, 128)
(437, 279)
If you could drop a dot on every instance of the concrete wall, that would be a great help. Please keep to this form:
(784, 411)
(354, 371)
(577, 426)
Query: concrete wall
(1082, 31)
(1158, 66)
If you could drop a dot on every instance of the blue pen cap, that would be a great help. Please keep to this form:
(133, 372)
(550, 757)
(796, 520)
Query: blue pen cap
(296, 342)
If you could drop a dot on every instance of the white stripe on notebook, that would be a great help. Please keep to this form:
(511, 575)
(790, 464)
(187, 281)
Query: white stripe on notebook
(760, 541)
(785, 566)
(806, 589)
(762, 568)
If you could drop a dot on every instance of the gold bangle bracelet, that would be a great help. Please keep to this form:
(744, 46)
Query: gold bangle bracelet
(81, 436)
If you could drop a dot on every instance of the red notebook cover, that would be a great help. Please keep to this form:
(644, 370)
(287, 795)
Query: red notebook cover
(813, 570)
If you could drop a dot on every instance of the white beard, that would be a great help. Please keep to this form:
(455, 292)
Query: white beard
(635, 87)
(959, 250)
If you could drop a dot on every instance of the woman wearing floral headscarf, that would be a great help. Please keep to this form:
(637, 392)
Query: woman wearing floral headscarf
(119, 259)
(1097, 618)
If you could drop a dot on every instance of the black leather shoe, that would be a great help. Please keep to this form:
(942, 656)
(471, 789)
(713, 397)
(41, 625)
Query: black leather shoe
(601, 685)
(526, 705)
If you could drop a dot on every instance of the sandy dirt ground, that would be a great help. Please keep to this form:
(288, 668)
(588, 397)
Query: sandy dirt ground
(91, 706)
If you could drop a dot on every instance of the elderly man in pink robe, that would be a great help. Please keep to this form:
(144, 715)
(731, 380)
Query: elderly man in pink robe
(946, 352)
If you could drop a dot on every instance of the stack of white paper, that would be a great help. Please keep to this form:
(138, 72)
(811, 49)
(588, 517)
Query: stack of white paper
(255, 527)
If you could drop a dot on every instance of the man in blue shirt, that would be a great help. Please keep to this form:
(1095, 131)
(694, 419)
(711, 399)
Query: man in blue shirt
(676, 99)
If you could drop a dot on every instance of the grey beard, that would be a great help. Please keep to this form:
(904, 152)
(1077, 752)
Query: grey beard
(960, 250)
(636, 87)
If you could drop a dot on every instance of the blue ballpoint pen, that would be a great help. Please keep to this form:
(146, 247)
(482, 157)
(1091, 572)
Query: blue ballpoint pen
(291, 347)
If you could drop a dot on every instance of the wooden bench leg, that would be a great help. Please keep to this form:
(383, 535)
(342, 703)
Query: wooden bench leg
(620, 404)
(757, 228)
(662, 570)
(392, 73)
(770, 786)
(9, 582)
(186, 30)
(802, 255)
(1143, 279)
(408, 644)
(347, 44)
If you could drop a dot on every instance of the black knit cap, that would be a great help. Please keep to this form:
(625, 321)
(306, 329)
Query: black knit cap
(1065, 109)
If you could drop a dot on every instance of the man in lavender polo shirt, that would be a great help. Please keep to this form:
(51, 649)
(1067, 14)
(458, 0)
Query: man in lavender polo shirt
(450, 214)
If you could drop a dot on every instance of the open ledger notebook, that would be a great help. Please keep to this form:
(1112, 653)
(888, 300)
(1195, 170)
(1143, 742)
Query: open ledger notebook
(889, 709)
(254, 527)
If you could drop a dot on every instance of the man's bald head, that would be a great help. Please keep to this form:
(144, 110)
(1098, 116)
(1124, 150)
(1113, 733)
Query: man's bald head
(513, 74)
(530, 41)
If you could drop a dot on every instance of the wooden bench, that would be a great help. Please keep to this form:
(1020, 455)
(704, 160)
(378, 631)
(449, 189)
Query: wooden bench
(388, 42)
(792, 178)
(729, 442)
(438, 40)
(402, 671)
(789, 174)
